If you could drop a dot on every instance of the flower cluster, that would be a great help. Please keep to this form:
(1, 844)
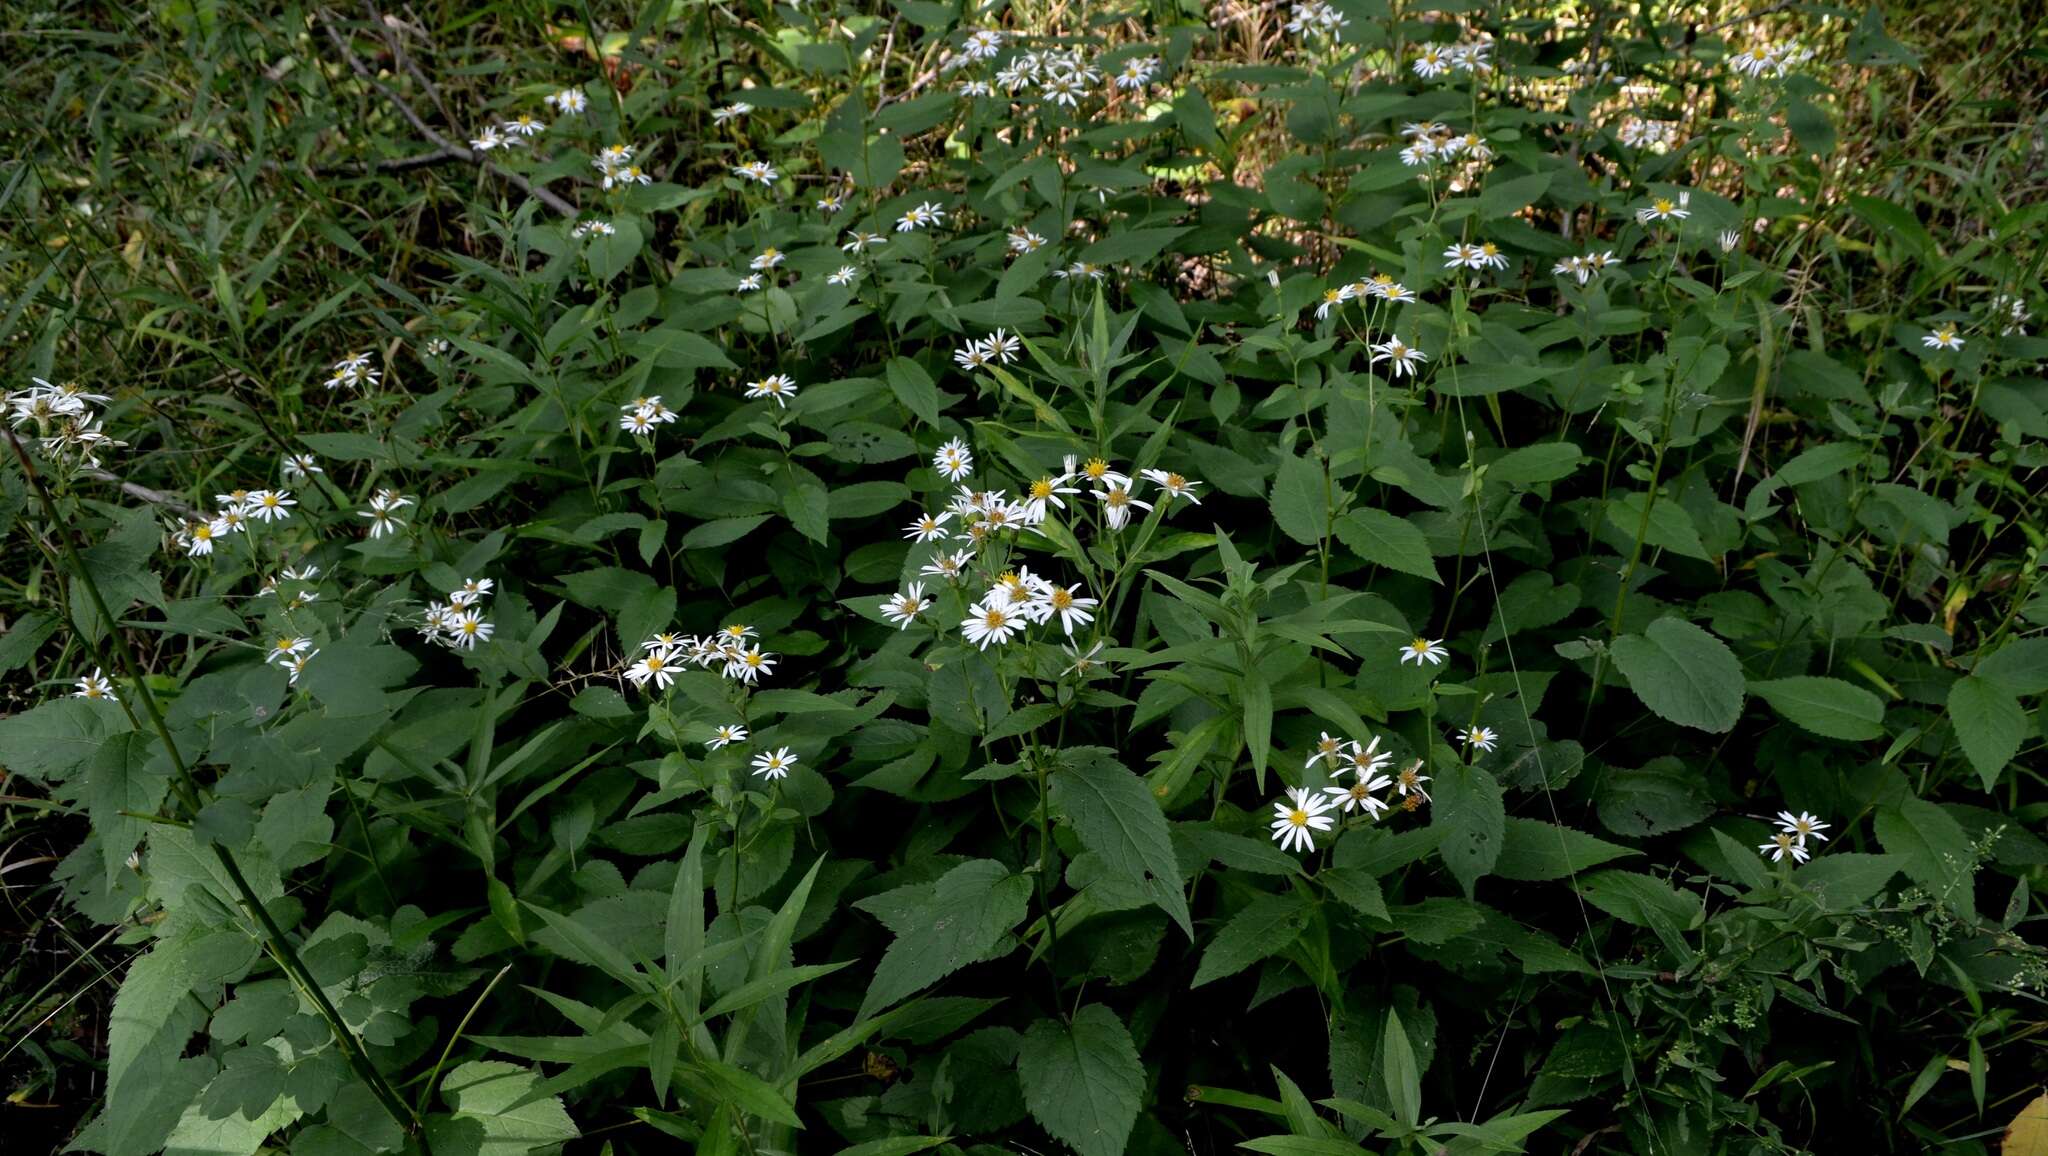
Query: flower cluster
(1655, 135)
(236, 509)
(1584, 269)
(353, 371)
(642, 415)
(1793, 832)
(383, 512)
(291, 653)
(1314, 18)
(665, 654)
(2012, 315)
(1303, 812)
(999, 346)
(459, 622)
(67, 429)
(1440, 59)
(616, 168)
(1773, 60)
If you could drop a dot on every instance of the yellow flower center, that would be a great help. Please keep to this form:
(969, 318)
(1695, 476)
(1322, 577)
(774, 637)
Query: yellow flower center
(1298, 817)
(1042, 488)
(1664, 205)
(994, 618)
(1095, 468)
(1061, 600)
(1117, 498)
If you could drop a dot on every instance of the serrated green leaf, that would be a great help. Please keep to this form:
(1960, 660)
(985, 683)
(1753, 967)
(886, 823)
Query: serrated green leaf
(1082, 1080)
(1828, 707)
(1684, 674)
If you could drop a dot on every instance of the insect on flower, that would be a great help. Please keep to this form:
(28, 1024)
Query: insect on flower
(1943, 338)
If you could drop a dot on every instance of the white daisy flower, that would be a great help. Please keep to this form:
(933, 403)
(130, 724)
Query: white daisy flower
(656, 666)
(1943, 338)
(1117, 504)
(570, 101)
(269, 505)
(297, 467)
(903, 609)
(1782, 844)
(1424, 650)
(952, 567)
(1434, 61)
(730, 112)
(1297, 816)
(466, 628)
(925, 215)
(774, 764)
(928, 527)
(846, 275)
(830, 203)
(1084, 661)
(1173, 485)
(749, 665)
(1062, 603)
(953, 460)
(1401, 359)
(522, 125)
(1329, 747)
(1025, 241)
(1481, 737)
(94, 685)
(286, 648)
(749, 283)
(1359, 795)
(777, 387)
(760, 171)
(488, 139)
(1367, 759)
(1409, 781)
(1805, 825)
(988, 622)
(859, 242)
(726, 735)
(1666, 209)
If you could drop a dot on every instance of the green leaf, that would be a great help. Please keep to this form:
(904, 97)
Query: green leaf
(494, 1113)
(1532, 850)
(1266, 926)
(1656, 799)
(1670, 525)
(1257, 697)
(1534, 465)
(1503, 198)
(914, 388)
(1817, 462)
(1682, 673)
(1828, 707)
(154, 1015)
(118, 778)
(1467, 806)
(1989, 723)
(1082, 1081)
(1645, 901)
(1118, 819)
(1385, 540)
(1130, 246)
(47, 741)
(1300, 504)
(1932, 849)
(965, 918)
(680, 349)
(1843, 880)
(1398, 1068)
(2020, 667)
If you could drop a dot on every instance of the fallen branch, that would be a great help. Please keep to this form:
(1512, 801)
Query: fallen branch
(445, 146)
